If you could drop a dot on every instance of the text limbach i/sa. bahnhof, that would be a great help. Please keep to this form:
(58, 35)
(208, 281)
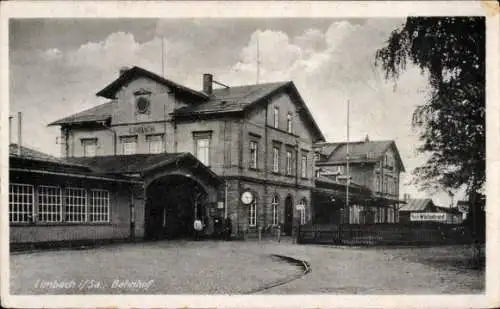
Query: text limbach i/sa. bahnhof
(159, 155)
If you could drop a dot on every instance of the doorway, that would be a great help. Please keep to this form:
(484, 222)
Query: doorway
(288, 224)
(173, 203)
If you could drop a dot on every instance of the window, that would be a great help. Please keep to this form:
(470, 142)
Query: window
(99, 206)
(288, 162)
(75, 204)
(89, 147)
(317, 156)
(202, 146)
(302, 211)
(289, 123)
(20, 203)
(340, 169)
(252, 213)
(275, 204)
(318, 173)
(377, 183)
(155, 143)
(49, 204)
(129, 144)
(203, 150)
(276, 117)
(303, 166)
(276, 159)
(254, 147)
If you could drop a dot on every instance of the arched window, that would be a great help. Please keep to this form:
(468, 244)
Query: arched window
(275, 204)
(302, 210)
(252, 213)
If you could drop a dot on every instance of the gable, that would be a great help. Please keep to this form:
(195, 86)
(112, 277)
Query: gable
(288, 101)
(157, 98)
(110, 90)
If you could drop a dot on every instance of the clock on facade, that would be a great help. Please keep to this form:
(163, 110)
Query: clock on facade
(247, 197)
(142, 105)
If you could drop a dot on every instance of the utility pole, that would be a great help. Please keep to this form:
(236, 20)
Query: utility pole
(162, 57)
(258, 58)
(347, 162)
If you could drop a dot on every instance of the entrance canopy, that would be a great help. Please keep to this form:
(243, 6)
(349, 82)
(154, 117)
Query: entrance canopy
(150, 167)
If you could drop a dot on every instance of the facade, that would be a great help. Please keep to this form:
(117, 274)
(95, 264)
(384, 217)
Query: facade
(159, 155)
(256, 138)
(373, 165)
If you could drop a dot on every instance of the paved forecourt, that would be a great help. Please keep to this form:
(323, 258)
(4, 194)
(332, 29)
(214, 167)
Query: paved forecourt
(217, 267)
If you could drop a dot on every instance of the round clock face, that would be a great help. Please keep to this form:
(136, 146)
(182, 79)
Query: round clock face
(247, 197)
(142, 104)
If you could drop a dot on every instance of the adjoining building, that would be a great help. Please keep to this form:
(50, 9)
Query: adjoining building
(374, 169)
(424, 210)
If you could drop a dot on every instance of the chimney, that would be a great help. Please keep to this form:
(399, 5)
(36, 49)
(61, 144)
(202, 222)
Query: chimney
(19, 136)
(10, 130)
(207, 83)
(123, 70)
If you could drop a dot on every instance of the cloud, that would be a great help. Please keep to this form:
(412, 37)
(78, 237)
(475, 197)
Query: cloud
(328, 66)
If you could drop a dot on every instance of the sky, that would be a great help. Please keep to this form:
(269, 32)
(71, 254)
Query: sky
(57, 66)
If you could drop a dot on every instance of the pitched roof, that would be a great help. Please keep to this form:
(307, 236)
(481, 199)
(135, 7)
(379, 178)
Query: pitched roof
(34, 159)
(243, 98)
(138, 163)
(223, 100)
(325, 149)
(416, 204)
(232, 99)
(110, 90)
(30, 153)
(124, 164)
(101, 112)
(359, 152)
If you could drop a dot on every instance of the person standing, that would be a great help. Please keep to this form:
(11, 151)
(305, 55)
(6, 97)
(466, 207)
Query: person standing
(198, 227)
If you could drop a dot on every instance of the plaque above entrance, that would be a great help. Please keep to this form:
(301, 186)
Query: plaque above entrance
(141, 130)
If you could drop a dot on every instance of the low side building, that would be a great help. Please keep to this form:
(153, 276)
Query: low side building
(424, 210)
(106, 198)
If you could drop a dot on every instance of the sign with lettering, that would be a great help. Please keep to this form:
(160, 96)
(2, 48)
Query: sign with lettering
(428, 216)
(141, 130)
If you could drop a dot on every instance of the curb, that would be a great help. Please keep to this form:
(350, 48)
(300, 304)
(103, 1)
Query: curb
(301, 263)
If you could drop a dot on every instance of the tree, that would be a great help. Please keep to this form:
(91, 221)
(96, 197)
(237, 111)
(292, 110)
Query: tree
(451, 123)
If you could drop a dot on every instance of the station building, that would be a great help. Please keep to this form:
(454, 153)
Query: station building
(159, 154)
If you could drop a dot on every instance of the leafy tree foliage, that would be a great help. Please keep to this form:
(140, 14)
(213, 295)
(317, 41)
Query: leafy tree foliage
(451, 123)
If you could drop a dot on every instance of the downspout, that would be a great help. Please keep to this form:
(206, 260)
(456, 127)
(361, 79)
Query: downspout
(108, 127)
(266, 153)
(66, 141)
(132, 213)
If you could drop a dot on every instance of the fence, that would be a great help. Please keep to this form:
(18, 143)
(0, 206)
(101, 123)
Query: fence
(383, 234)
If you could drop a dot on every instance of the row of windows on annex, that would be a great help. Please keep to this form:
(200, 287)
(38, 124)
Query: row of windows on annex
(359, 214)
(276, 205)
(128, 144)
(389, 185)
(52, 204)
(276, 120)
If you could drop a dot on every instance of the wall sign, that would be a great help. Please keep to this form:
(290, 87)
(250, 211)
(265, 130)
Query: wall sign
(141, 130)
(428, 216)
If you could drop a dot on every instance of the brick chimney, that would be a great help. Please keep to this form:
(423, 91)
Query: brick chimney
(123, 70)
(207, 83)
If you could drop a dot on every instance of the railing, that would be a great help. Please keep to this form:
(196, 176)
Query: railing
(383, 234)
